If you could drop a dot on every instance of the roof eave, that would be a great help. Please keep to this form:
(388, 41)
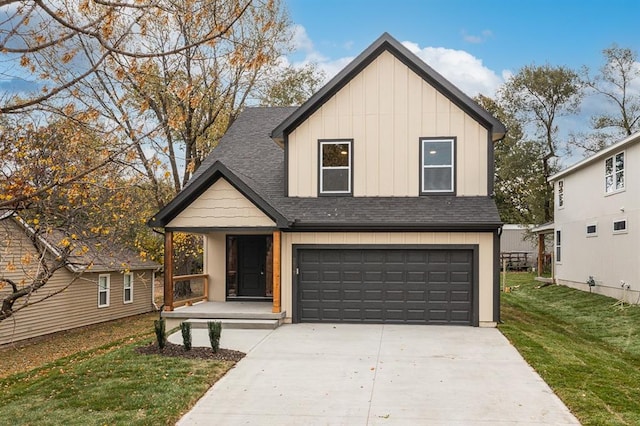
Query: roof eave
(396, 227)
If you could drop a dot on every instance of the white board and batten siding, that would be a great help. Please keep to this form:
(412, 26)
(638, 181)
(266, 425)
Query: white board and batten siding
(386, 109)
(221, 205)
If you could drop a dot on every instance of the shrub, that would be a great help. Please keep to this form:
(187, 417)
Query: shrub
(185, 327)
(161, 335)
(215, 330)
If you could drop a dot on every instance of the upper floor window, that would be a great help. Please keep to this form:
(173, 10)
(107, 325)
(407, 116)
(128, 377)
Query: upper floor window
(104, 282)
(560, 193)
(437, 165)
(128, 287)
(614, 173)
(336, 164)
(620, 226)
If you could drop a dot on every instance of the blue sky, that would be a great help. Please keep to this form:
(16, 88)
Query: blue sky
(475, 44)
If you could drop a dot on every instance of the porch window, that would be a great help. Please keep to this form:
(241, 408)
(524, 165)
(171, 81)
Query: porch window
(104, 282)
(128, 287)
(335, 169)
(437, 165)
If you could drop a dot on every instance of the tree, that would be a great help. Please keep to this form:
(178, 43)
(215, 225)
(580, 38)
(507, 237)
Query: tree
(615, 84)
(57, 44)
(519, 181)
(62, 221)
(537, 96)
(292, 86)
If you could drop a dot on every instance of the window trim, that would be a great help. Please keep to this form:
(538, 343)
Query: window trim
(591, 234)
(130, 287)
(624, 168)
(560, 192)
(557, 245)
(454, 142)
(620, 231)
(322, 193)
(106, 290)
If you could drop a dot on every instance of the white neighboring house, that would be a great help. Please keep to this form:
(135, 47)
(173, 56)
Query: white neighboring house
(597, 222)
(517, 243)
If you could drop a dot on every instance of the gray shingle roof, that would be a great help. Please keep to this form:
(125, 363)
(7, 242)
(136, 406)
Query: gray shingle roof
(251, 160)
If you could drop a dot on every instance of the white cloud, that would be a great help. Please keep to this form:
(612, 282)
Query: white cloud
(300, 39)
(476, 39)
(461, 68)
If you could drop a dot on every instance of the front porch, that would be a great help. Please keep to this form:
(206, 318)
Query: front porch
(230, 314)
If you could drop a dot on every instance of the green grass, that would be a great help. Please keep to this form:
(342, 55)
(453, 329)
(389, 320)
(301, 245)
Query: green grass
(107, 386)
(583, 345)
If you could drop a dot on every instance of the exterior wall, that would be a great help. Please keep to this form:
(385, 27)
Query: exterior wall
(386, 109)
(609, 258)
(512, 240)
(223, 205)
(484, 241)
(76, 306)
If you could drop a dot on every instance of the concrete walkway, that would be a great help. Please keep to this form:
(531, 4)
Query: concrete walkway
(312, 374)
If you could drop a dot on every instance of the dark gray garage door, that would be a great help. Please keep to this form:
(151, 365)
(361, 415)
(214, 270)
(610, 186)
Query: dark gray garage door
(421, 286)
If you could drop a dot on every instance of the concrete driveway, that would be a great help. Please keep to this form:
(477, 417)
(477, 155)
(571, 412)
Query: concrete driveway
(351, 374)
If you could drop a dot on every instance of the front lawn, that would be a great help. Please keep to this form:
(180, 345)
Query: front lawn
(585, 346)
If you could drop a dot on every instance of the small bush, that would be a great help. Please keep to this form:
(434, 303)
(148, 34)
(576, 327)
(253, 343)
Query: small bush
(215, 330)
(161, 335)
(185, 327)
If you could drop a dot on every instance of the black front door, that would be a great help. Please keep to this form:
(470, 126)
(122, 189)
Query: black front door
(252, 253)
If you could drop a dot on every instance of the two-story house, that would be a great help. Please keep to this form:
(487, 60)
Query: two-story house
(371, 202)
(597, 212)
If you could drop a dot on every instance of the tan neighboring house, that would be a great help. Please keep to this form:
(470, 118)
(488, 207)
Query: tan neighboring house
(597, 222)
(116, 285)
(371, 202)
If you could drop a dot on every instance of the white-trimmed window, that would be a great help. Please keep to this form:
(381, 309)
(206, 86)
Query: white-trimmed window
(614, 173)
(336, 167)
(620, 226)
(558, 246)
(104, 284)
(128, 287)
(561, 194)
(437, 164)
(592, 230)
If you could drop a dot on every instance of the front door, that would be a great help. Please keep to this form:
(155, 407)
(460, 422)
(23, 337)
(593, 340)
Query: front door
(252, 251)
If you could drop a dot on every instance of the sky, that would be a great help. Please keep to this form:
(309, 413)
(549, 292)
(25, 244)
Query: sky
(476, 44)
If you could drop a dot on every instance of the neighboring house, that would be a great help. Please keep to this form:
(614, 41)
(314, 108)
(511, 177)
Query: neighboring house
(597, 222)
(369, 203)
(518, 247)
(117, 284)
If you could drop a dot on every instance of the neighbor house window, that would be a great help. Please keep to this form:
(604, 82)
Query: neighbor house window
(558, 246)
(336, 164)
(437, 165)
(592, 230)
(560, 193)
(614, 173)
(620, 226)
(104, 282)
(128, 288)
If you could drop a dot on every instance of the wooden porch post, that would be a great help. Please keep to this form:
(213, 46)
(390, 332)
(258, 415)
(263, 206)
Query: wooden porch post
(540, 253)
(276, 272)
(168, 270)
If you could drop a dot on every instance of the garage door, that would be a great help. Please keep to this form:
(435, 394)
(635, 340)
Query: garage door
(421, 286)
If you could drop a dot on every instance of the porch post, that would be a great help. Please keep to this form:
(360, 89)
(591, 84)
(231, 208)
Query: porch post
(540, 253)
(168, 270)
(276, 272)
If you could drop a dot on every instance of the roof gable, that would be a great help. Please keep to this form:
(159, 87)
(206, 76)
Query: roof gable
(388, 43)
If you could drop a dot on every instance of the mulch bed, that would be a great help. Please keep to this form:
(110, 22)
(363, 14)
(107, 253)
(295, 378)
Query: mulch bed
(174, 350)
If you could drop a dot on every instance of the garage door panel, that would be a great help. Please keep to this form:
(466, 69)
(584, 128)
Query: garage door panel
(385, 286)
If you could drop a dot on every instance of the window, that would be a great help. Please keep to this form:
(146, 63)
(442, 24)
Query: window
(128, 288)
(336, 161)
(620, 226)
(558, 246)
(592, 230)
(104, 282)
(436, 166)
(560, 194)
(614, 173)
